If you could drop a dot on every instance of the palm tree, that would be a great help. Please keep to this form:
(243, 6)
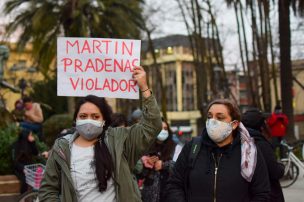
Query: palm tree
(43, 21)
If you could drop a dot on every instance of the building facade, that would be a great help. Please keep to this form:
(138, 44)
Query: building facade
(175, 60)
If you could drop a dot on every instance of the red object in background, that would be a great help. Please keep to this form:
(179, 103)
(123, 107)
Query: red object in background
(278, 124)
(180, 133)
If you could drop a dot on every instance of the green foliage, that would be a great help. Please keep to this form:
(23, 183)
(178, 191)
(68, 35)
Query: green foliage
(54, 125)
(45, 92)
(41, 146)
(7, 136)
(298, 152)
(6, 118)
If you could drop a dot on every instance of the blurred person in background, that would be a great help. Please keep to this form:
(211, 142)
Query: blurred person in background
(119, 120)
(154, 168)
(255, 121)
(180, 140)
(24, 151)
(278, 123)
(18, 112)
(136, 116)
(33, 117)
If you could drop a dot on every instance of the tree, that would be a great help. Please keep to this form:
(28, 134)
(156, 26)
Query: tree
(194, 29)
(285, 58)
(41, 22)
(148, 27)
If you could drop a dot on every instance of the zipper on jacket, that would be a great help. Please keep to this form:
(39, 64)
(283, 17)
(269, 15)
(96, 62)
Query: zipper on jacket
(216, 165)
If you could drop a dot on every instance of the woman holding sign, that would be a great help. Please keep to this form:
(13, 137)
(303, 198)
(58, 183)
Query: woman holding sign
(95, 163)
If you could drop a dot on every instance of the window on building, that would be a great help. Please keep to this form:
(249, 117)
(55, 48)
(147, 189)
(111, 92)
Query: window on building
(187, 50)
(170, 82)
(188, 86)
(170, 50)
(21, 63)
(153, 82)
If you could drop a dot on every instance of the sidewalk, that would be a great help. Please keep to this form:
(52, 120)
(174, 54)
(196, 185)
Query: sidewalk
(12, 198)
(295, 193)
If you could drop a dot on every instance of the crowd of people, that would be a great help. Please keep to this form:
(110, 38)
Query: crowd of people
(105, 157)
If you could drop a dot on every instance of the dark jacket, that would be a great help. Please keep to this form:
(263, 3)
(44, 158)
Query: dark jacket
(275, 169)
(154, 186)
(23, 153)
(203, 183)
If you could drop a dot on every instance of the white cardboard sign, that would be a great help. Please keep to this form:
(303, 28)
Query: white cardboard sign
(97, 66)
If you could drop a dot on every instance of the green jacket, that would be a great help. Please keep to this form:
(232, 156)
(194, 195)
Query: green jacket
(126, 146)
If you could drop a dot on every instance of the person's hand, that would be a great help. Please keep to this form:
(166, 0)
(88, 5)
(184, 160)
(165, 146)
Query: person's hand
(158, 165)
(45, 154)
(139, 75)
(30, 138)
(153, 159)
(146, 162)
(149, 161)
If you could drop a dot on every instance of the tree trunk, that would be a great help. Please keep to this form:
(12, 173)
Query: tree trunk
(218, 53)
(285, 65)
(198, 52)
(212, 87)
(159, 77)
(256, 48)
(252, 93)
(263, 48)
(273, 66)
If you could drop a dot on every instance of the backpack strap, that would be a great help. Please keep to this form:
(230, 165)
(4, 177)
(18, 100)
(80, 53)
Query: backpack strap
(195, 148)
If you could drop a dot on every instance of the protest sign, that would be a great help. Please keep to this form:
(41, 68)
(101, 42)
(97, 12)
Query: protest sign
(97, 66)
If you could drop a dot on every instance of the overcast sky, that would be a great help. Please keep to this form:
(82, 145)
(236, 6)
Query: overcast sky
(168, 20)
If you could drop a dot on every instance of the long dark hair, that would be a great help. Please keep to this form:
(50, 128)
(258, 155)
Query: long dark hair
(103, 160)
(166, 148)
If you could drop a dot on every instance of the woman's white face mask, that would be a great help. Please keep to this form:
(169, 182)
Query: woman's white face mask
(217, 130)
(163, 135)
(89, 129)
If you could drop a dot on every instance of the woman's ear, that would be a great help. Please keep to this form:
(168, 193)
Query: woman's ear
(235, 124)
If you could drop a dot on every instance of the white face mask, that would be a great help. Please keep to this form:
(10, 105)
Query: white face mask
(218, 130)
(163, 135)
(89, 129)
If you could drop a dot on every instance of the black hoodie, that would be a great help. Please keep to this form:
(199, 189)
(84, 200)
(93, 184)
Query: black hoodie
(203, 183)
(275, 169)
